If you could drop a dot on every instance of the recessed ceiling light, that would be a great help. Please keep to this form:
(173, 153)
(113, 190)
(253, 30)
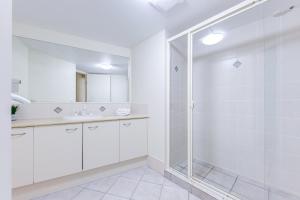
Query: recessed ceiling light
(212, 38)
(165, 5)
(105, 66)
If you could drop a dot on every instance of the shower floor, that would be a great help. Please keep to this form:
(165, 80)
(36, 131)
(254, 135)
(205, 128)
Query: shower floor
(234, 184)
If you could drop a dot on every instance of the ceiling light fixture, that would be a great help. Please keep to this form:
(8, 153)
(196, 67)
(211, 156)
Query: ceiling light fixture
(165, 5)
(212, 38)
(105, 66)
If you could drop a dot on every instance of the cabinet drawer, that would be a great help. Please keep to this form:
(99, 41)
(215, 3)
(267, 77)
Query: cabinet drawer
(22, 157)
(100, 144)
(57, 151)
(133, 139)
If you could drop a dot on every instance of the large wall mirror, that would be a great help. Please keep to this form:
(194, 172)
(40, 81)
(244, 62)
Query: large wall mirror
(48, 72)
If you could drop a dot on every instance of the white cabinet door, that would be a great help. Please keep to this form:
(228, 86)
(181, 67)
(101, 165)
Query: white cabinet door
(133, 139)
(100, 144)
(57, 151)
(22, 157)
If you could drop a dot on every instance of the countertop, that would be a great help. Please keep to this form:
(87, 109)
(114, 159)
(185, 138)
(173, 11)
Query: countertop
(61, 121)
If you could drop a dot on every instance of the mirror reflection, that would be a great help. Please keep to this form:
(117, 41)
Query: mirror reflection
(48, 72)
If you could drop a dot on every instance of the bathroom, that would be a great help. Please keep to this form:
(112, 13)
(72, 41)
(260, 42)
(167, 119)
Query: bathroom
(150, 100)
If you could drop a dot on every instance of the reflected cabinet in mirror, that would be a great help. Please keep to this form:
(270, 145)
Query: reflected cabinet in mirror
(48, 72)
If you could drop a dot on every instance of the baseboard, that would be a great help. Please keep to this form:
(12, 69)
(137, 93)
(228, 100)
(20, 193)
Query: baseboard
(43, 188)
(156, 164)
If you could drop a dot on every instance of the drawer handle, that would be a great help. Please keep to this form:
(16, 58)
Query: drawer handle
(127, 124)
(18, 134)
(71, 130)
(92, 128)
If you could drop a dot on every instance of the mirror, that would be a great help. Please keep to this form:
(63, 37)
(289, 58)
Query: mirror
(48, 72)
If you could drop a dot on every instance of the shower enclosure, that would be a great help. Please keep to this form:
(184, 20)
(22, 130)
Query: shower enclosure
(234, 102)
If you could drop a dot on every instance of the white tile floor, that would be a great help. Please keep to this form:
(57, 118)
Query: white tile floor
(240, 187)
(137, 184)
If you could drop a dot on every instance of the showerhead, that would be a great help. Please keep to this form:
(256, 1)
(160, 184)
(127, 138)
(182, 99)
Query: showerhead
(284, 12)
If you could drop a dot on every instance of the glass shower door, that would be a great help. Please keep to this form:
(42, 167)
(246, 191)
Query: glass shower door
(228, 115)
(245, 125)
(246, 92)
(178, 127)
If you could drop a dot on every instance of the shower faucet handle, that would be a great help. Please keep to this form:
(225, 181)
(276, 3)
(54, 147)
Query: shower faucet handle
(192, 105)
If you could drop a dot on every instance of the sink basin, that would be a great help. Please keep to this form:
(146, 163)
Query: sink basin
(80, 118)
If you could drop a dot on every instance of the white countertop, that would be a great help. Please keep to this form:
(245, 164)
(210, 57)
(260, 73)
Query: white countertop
(60, 121)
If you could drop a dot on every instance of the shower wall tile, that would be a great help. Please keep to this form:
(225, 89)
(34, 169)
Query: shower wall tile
(290, 91)
(290, 126)
(228, 119)
(286, 179)
(283, 115)
(290, 145)
(46, 110)
(251, 115)
(178, 108)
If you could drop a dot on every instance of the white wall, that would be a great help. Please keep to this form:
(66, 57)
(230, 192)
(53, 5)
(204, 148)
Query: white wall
(148, 87)
(5, 77)
(51, 79)
(20, 65)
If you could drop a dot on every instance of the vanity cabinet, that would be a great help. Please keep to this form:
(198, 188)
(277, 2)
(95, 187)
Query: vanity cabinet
(57, 151)
(100, 144)
(22, 157)
(133, 139)
(48, 151)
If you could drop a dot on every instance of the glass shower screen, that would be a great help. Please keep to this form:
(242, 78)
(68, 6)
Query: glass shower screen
(241, 137)
(246, 83)
(178, 105)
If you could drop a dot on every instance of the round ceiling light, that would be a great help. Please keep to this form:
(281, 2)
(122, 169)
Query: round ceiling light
(105, 66)
(212, 38)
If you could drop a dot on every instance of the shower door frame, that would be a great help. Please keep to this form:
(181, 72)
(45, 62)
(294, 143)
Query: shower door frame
(205, 187)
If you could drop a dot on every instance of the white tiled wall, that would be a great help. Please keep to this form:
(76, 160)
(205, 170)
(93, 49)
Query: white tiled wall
(283, 112)
(229, 109)
(247, 119)
(46, 110)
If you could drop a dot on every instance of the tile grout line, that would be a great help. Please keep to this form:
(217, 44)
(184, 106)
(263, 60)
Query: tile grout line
(138, 183)
(152, 183)
(256, 185)
(76, 193)
(107, 193)
(160, 193)
(84, 187)
(233, 184)
(104, 193)
(222, 187)
(209, 171)
(163, 185)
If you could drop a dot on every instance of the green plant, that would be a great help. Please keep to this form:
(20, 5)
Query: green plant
(14, 109)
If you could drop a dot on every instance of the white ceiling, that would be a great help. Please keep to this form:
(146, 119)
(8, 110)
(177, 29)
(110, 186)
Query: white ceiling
(85, 60)
(258, 24)
(119, 22)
